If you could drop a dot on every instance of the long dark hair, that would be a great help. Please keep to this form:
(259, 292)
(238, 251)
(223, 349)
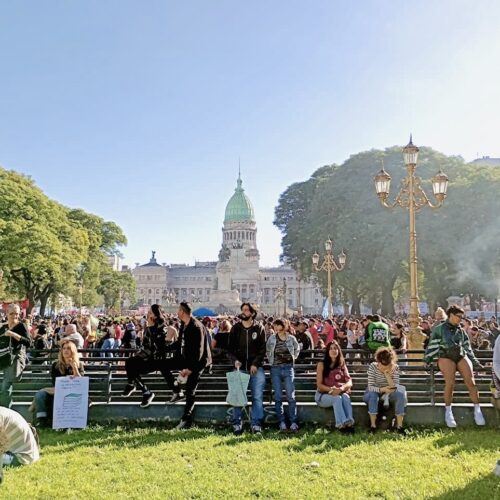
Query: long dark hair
(327, 361)
(157, 310)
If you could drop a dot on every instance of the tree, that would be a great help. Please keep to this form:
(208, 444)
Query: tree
(116, 287)
(341, 203)
(46, 248)
(39, 247)
(105, 239)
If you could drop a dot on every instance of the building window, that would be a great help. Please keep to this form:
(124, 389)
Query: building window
(150, 291)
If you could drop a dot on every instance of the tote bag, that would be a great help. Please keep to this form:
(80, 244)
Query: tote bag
(237, 384)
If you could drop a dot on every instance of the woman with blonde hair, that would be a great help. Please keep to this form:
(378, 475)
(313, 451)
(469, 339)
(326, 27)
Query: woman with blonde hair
(68, 364)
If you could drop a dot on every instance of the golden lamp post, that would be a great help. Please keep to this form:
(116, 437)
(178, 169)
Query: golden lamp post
(330, 266)
(412, 197)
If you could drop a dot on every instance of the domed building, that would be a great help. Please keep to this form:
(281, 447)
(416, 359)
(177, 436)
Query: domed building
(234, 278)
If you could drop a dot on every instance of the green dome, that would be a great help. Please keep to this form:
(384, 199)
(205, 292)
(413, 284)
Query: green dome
(239, 208)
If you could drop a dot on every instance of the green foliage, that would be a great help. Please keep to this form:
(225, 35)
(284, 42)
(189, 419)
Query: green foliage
(46, 248)
(458, 245)
(156, 462)
(116, 287)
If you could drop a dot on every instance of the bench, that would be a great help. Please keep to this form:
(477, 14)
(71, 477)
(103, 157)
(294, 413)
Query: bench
(107, 379)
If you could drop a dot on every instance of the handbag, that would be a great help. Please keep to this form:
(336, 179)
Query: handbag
(237, 384)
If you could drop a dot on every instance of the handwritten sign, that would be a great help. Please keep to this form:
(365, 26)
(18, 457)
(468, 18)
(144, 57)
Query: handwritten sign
(71, 403)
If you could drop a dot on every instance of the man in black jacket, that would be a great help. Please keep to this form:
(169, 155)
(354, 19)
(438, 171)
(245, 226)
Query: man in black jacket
(191, 355)
(246, 350)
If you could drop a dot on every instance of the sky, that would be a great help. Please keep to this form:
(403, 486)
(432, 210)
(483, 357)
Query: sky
(140, 111)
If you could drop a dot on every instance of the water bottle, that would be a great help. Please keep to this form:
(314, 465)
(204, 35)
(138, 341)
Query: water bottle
(496, 471)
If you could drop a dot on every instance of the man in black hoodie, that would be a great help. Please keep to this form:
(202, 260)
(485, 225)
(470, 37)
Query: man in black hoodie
(246, 350)
(191, 355)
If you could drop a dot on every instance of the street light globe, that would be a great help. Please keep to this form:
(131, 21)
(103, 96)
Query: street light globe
(410, 153)
(440, 185)
(315, 258)
(382, 184)
(328, 245)
(342, 258)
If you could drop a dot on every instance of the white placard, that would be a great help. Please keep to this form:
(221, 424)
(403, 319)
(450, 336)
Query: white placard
(71, 403)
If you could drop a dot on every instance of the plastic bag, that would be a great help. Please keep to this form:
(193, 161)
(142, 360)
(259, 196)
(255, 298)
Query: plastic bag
(237, 385)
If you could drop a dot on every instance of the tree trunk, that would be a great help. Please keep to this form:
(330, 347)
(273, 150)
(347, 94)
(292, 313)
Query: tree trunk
(387, 298)
(356, 305)
(43, 303)
(31, 300)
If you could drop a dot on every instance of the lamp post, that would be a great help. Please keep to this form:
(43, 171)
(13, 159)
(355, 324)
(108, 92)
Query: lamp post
(412, 197)
(277, 298)
(284, 297)
(330, 266)
(299, 279)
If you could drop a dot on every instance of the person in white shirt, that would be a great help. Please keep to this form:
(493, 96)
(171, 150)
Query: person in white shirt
(71, 333)
(18, 444)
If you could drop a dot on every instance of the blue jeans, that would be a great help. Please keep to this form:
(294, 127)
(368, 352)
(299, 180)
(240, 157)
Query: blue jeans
(286, 374)
(11, 374)
(341, 404)
(257, 383)
(43, 401)
(397, 398)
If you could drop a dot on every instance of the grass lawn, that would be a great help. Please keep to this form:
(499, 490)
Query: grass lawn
(151, 461)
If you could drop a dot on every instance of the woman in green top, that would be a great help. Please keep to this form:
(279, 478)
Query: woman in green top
(450, 344)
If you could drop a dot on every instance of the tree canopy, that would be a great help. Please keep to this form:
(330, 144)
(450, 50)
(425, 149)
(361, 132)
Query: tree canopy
(47, 249)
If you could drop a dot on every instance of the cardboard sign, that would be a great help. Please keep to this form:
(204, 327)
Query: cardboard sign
(71, 403)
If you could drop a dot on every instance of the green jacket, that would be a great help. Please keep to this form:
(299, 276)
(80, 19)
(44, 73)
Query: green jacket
(378, 335)
(443, 336)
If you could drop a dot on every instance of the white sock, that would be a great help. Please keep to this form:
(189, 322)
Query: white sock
(448, 409)
(477, 407)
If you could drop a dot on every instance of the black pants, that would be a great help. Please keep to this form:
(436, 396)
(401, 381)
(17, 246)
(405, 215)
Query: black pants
(189, 390)
(137, 366)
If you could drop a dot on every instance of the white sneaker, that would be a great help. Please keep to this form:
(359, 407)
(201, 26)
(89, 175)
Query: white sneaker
(478, 417)
(450, 419)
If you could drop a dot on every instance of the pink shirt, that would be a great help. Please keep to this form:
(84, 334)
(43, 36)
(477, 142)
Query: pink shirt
(118, 333)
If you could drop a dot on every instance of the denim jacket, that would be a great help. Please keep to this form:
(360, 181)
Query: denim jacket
(291, 343)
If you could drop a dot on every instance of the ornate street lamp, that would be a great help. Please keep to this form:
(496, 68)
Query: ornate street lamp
(330, 266)
(277, 299)
(412, 197)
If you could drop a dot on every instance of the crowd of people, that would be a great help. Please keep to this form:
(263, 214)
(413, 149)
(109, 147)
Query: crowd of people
(183, 345)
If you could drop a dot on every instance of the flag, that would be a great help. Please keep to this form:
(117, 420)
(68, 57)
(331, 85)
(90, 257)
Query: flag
(326, 307)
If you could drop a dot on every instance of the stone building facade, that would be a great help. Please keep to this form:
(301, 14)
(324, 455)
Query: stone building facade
(234, 278)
